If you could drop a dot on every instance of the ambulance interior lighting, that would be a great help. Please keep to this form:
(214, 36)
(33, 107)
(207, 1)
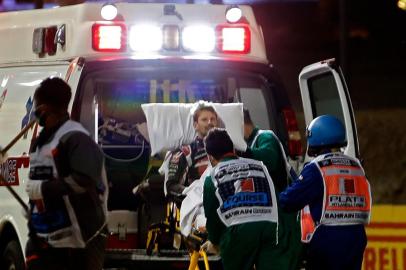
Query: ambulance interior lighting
(145, 38)
(109, 37)
(234, 39)
(199, 38)
(108, 12)
(233, 14)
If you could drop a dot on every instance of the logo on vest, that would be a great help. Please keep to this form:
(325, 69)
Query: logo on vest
(347, 186)
(347, 215)
(245, 199)
(245, 185)
(346, 201)
(248, 211)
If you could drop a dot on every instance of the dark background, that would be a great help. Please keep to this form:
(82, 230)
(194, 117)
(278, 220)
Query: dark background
(368, 37)
(369, 40)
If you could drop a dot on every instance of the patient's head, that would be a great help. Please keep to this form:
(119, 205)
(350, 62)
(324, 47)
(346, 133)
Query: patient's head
(204, 119)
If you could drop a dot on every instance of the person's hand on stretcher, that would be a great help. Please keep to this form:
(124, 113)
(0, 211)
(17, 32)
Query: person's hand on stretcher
(210, 248)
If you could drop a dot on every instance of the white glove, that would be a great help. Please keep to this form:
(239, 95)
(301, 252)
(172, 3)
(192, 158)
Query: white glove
(140, 187)
(210, 248)
(33, 189)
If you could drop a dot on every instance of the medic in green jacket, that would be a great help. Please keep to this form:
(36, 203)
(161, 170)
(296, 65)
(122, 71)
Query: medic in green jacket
(239, 201)
(265, 146)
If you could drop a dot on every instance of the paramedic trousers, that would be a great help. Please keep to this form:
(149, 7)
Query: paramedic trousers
(243, 246)
(289, 248)
(336, 248)
(39, 256)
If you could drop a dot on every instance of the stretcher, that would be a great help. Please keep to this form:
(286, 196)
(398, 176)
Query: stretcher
(167, 234)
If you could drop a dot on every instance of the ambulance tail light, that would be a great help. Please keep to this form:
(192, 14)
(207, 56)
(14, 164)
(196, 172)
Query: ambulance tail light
(294, 139)
(233, 39)
(109, 37)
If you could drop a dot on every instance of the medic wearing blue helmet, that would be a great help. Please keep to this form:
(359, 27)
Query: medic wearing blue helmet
(334, 197)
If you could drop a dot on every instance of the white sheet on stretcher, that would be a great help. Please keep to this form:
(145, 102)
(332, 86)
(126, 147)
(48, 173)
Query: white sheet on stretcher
(191, 210)
(170, 125)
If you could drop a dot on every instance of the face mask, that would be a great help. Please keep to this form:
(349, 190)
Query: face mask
(42, 117)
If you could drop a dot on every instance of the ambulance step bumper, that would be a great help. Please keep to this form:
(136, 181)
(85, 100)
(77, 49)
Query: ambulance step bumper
(134, 258)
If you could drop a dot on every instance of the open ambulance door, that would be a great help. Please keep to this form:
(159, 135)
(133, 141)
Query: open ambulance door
(324, 91)
(72, 77)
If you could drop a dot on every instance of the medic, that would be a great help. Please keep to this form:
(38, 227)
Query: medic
(334, 232)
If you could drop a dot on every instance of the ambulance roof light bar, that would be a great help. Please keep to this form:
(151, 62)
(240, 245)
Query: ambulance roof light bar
(108, 12)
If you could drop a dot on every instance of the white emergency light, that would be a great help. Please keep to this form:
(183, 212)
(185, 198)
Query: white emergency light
(233, 14)
(198, 38)
(108, 12)
(146, 38)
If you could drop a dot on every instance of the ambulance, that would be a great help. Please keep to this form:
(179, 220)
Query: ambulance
(118, 57)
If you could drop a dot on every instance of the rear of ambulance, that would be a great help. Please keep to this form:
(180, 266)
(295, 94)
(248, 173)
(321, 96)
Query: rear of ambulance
(165, 53)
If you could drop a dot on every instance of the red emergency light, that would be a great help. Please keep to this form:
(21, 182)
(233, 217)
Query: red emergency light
(109, 37)
(233, 38)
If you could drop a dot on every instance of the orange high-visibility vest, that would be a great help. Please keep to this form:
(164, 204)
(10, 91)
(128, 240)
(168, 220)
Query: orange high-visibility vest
(347, 195)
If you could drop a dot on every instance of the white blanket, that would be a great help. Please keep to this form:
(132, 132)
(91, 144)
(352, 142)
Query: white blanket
(170, 125)
(191, 210)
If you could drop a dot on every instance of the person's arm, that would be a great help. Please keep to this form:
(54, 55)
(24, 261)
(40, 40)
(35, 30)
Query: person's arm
(79, 162)
(177, 172)
(214, 226)
(308, 188)
(267, 149)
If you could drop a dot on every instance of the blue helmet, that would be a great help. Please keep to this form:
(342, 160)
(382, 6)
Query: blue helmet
(326, 130)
